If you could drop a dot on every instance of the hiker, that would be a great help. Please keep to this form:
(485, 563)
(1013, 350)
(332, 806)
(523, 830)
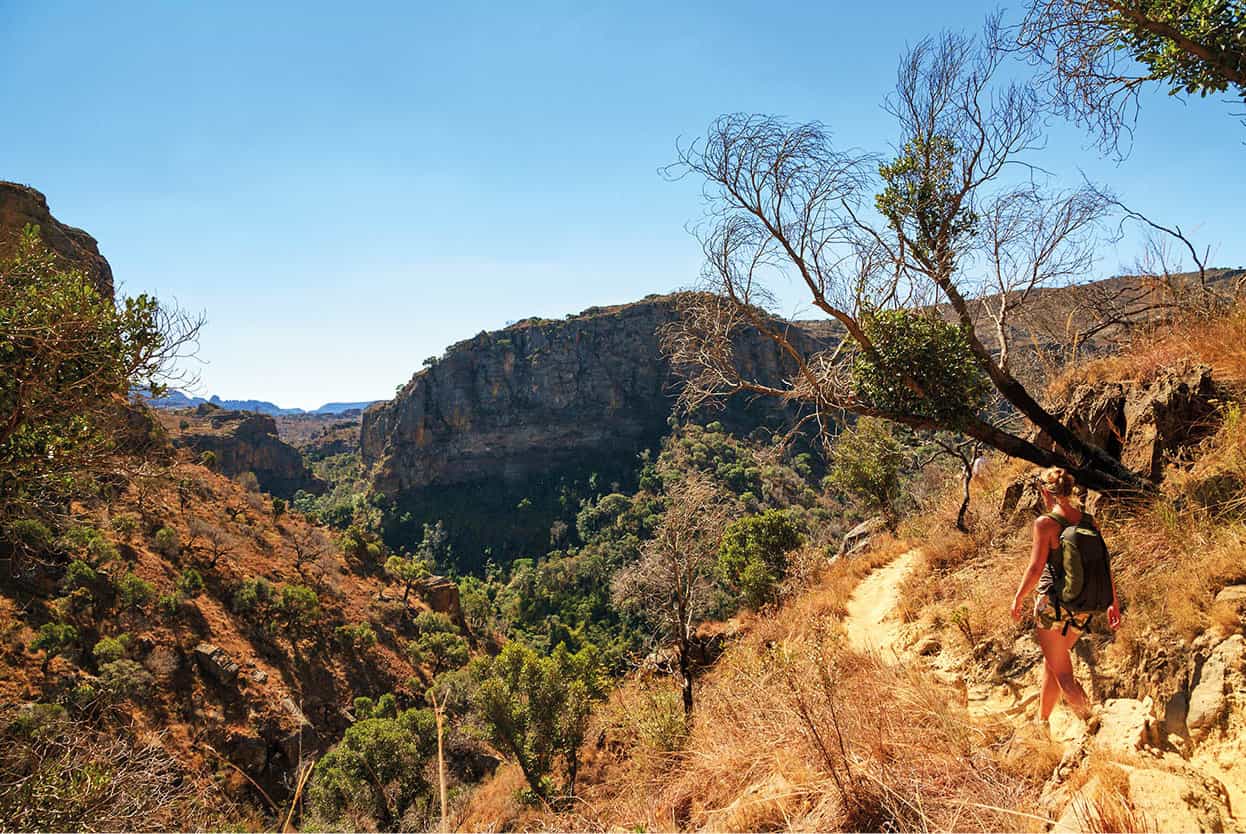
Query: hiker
(1070, 569)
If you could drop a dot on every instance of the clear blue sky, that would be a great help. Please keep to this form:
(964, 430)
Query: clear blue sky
(346, 189)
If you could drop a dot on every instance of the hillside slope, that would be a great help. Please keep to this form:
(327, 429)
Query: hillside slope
(895, 692)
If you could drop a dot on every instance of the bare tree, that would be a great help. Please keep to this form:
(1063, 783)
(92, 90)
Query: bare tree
(310, 545)
(671, 584)
(217, 541)
(783, 202)
(1031, 241)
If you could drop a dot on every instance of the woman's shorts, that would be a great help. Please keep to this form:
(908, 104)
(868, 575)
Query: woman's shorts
(1046, 616)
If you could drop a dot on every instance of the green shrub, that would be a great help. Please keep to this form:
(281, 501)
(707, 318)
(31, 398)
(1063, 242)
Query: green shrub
(208, 459)
(171, 603)
(439, 644)
(90, 543)
(108, 649)
(867, 463)
(125, 524)
(133, 592)
(167, 542)
(30, 534)
(752, 556)
(79, 575)
(359, 635)
(124, 679)
(251, 594)
(300, 605)
(279, 507)
(55, 638)
(536, 708)
(183, 424)
(190, 583)
(377, 771)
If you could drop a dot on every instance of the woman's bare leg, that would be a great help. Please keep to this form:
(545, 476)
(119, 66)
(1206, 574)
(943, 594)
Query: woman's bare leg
(1051, 692)
(1059, 666)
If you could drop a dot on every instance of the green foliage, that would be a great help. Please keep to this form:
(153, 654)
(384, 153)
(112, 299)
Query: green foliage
(377, 770)
(867, 465)
(133, 592)
(300, 605)
(279, 507)
(125, 524)
(79, 575)
(208, 459)
(251, 594)
(753, 554)
(190, 583)
(124, 679)
(660, 722)
(108, 649)
(536, 707)
(29, 534)
(921, 198)
(1218, 27)
(89, 543)
(67, 356)
(55, 638)
(170, 604)
(166, 542)
(358, 635)
(438, 644)
(924, 368)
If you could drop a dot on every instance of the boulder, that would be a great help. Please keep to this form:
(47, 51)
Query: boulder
(1166, 414)
(1209, 698)
(1125, 725)
(859, 537)
(442, 594)
(248, 751)
(303, 739)
(216, 663)
(1151, 798)
(1233, 596)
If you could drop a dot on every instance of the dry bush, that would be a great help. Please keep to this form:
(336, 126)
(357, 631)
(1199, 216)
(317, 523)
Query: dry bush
(57, 774)
(853, 744)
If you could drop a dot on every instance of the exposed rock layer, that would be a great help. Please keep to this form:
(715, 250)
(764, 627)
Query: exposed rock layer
(537, 395)
(247, 442)
(21, 205)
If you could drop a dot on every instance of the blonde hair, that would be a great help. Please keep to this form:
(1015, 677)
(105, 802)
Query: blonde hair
(1058, 481)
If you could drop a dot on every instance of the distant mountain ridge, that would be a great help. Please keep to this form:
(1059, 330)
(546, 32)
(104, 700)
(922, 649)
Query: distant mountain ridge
(178, 399)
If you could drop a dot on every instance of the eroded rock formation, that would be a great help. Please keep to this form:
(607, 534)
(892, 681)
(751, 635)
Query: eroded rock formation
(21, 205)
(243, 441)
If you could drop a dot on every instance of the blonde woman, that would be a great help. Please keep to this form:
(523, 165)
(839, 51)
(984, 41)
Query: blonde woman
(1058, 626)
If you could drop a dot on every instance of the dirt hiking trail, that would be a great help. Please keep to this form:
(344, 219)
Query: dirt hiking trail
(872, 623)
(873, 626)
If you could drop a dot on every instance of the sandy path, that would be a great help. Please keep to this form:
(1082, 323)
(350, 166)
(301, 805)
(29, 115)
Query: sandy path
(871, 624)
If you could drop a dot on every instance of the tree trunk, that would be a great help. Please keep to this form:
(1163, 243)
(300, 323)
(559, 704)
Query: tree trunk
(686, 673)
(964, 501)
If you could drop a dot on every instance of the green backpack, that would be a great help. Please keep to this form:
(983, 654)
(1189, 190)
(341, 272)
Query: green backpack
(1081, 567)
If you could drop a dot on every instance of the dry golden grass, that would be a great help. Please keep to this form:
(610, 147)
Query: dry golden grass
(794, 731)
(1218, 342)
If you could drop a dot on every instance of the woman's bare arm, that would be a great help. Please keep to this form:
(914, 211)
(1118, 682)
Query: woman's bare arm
(1043, 528)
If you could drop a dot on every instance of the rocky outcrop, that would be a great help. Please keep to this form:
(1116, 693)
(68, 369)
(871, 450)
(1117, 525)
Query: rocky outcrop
(1222, 673)
(538, 403)
(245, 442)
(532, 396)
(1144, 423)
(216, 663)
(21, 206)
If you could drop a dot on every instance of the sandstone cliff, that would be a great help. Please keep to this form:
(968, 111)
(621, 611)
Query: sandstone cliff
(244, 442)
(533, 406)
(21, 205)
